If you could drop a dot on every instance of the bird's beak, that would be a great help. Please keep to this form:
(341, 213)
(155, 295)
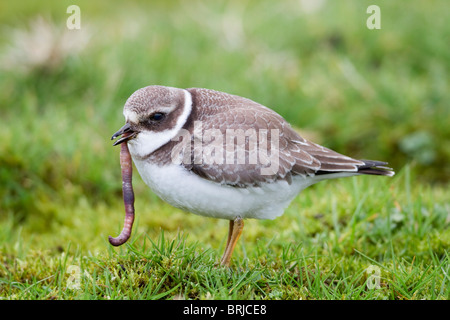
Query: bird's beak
(126, 132)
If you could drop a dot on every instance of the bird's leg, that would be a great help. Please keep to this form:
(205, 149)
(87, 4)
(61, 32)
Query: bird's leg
(235, 230)
(230, 231)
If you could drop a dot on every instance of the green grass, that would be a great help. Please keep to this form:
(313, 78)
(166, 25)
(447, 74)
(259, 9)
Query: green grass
(374, 94)
(320, 249)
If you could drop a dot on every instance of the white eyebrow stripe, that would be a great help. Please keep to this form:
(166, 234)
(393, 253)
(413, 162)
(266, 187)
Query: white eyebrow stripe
(130, 116)
(165, 109)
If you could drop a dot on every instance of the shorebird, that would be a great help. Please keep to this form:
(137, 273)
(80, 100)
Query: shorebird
(220, 155)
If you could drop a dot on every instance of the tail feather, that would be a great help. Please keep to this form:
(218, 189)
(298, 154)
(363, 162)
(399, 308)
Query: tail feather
(372, 167)
(375, 168)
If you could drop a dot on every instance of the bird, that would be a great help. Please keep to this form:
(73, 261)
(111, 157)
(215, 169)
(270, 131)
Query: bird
(224, 156)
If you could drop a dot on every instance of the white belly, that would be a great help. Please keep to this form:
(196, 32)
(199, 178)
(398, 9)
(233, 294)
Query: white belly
(187, 191)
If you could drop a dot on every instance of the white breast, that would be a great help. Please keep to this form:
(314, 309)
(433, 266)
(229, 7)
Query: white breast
(187, 191)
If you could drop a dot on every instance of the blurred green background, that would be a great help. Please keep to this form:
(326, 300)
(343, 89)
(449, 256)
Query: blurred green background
(373, 94)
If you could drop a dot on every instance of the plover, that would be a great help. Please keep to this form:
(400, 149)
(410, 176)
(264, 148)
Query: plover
(224, 156)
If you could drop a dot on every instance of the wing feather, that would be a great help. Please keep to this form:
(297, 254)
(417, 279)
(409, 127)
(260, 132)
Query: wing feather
(296, 156)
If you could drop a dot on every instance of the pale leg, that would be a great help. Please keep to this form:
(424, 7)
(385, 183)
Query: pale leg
(235, 231)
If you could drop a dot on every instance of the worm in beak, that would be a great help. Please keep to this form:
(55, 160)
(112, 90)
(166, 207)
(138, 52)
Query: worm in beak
(127, 186)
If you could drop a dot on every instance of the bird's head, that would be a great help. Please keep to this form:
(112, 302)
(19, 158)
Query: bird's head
(154, 115)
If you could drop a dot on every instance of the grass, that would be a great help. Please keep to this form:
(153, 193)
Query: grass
(376, 94)
(323, 253)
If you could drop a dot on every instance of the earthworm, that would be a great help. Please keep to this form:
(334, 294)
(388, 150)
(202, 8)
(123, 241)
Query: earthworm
(128, 196)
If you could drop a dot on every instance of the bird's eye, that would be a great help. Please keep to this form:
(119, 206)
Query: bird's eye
(157, 116)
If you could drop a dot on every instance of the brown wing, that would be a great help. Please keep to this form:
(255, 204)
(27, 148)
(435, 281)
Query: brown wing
(285, 153)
